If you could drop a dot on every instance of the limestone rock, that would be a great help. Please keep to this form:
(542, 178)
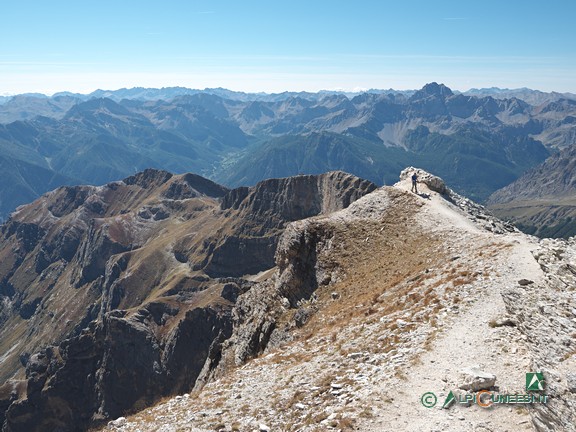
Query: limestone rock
(119, 422)
(540, 316)
(474, 379)
(571, 382)
(433, 182)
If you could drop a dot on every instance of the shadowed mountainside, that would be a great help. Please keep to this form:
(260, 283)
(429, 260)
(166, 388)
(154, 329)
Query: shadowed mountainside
(114, 296)
(543, 201)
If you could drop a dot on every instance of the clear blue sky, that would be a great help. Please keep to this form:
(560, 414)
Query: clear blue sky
(81, 45)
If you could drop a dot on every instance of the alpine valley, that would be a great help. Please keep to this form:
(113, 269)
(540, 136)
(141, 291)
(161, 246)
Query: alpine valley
(478, 141)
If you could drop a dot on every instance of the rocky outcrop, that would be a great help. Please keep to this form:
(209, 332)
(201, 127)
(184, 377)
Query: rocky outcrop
(268, 207)
(264, 316)
(257, 313)
(545, 312)
(479, 214)
(433, 182)
(116, 365)
(299, 197)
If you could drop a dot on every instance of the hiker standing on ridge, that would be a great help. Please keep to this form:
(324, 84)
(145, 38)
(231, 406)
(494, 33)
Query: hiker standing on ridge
(415, 183)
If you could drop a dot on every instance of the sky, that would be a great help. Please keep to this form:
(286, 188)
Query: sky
(48, 46)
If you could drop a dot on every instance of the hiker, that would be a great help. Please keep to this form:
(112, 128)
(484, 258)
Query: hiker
(415, 183)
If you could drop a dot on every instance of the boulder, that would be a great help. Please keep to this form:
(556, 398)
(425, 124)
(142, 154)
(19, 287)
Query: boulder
(525, 282)
(474, 379)
(433, 182)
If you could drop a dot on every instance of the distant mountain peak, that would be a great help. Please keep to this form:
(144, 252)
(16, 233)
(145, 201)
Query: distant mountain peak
(148, 177)
(432, 89)
(98, 104)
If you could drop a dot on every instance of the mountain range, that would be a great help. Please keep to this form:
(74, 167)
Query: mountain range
(479, 142)
(534, 97)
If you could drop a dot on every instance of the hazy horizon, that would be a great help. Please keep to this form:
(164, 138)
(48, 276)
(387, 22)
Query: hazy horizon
(256, 46)
(353, 91)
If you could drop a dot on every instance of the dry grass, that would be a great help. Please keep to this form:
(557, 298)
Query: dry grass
(568, 355)
(297, 397)
(290, 357)
(345, 424)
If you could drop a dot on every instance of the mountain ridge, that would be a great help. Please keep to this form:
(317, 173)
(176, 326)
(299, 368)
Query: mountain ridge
(407, 292)
(145, 280)
(150, 93)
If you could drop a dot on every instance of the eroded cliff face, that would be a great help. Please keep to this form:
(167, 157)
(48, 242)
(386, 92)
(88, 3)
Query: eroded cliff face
(115, 296)
(117, 365)
(310, 255)
(265, 209)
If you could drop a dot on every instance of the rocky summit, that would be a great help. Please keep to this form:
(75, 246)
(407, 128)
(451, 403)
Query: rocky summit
(311, 303)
